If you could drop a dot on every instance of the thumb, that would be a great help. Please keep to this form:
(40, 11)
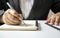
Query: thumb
(20, 17)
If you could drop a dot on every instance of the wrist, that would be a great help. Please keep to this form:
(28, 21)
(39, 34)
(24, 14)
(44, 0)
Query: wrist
(1, 20)
(58, 13)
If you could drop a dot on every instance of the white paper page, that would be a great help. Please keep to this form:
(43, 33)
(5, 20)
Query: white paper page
(43, 23)
(58, 26)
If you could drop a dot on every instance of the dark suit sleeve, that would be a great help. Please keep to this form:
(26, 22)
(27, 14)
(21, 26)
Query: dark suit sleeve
(56, 6)
(3, 6)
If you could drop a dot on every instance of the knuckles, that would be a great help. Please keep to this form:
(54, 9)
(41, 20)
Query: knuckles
(9, 18)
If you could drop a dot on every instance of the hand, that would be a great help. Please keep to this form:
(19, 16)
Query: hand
(12, 17)
(1, 21)
(54, 19)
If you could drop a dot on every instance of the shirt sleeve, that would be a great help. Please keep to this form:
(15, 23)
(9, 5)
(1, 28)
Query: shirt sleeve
(56, 6)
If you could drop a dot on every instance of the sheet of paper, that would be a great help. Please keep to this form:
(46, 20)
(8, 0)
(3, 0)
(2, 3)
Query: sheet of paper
(43, 25)
(58, 26)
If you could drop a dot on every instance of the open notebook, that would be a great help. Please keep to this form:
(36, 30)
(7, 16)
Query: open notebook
(29, 26)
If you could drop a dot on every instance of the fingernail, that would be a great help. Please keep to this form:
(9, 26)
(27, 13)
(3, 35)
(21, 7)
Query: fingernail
(51, 23)
(56, 23)
(59, 24)
(20, 19)
(46, 22)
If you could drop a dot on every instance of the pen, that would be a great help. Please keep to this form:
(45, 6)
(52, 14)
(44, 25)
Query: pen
(36, 22)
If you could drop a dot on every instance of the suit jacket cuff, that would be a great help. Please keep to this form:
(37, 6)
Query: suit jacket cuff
(1, 12)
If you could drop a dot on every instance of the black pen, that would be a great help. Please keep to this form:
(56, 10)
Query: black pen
(53, 26)
(37, 24)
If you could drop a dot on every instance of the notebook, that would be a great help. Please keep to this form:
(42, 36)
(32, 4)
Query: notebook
(29, 26)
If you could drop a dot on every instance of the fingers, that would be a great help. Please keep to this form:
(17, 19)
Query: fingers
(10, 19)
(57, 20)
(6, 21)
(48, 20)
(54, 20)
(21, 17)
(14, 13)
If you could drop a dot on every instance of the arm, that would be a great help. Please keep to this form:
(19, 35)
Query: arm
(55, 18)
(1, 21)
(56, 6)
(4, 7)
(10, 16)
